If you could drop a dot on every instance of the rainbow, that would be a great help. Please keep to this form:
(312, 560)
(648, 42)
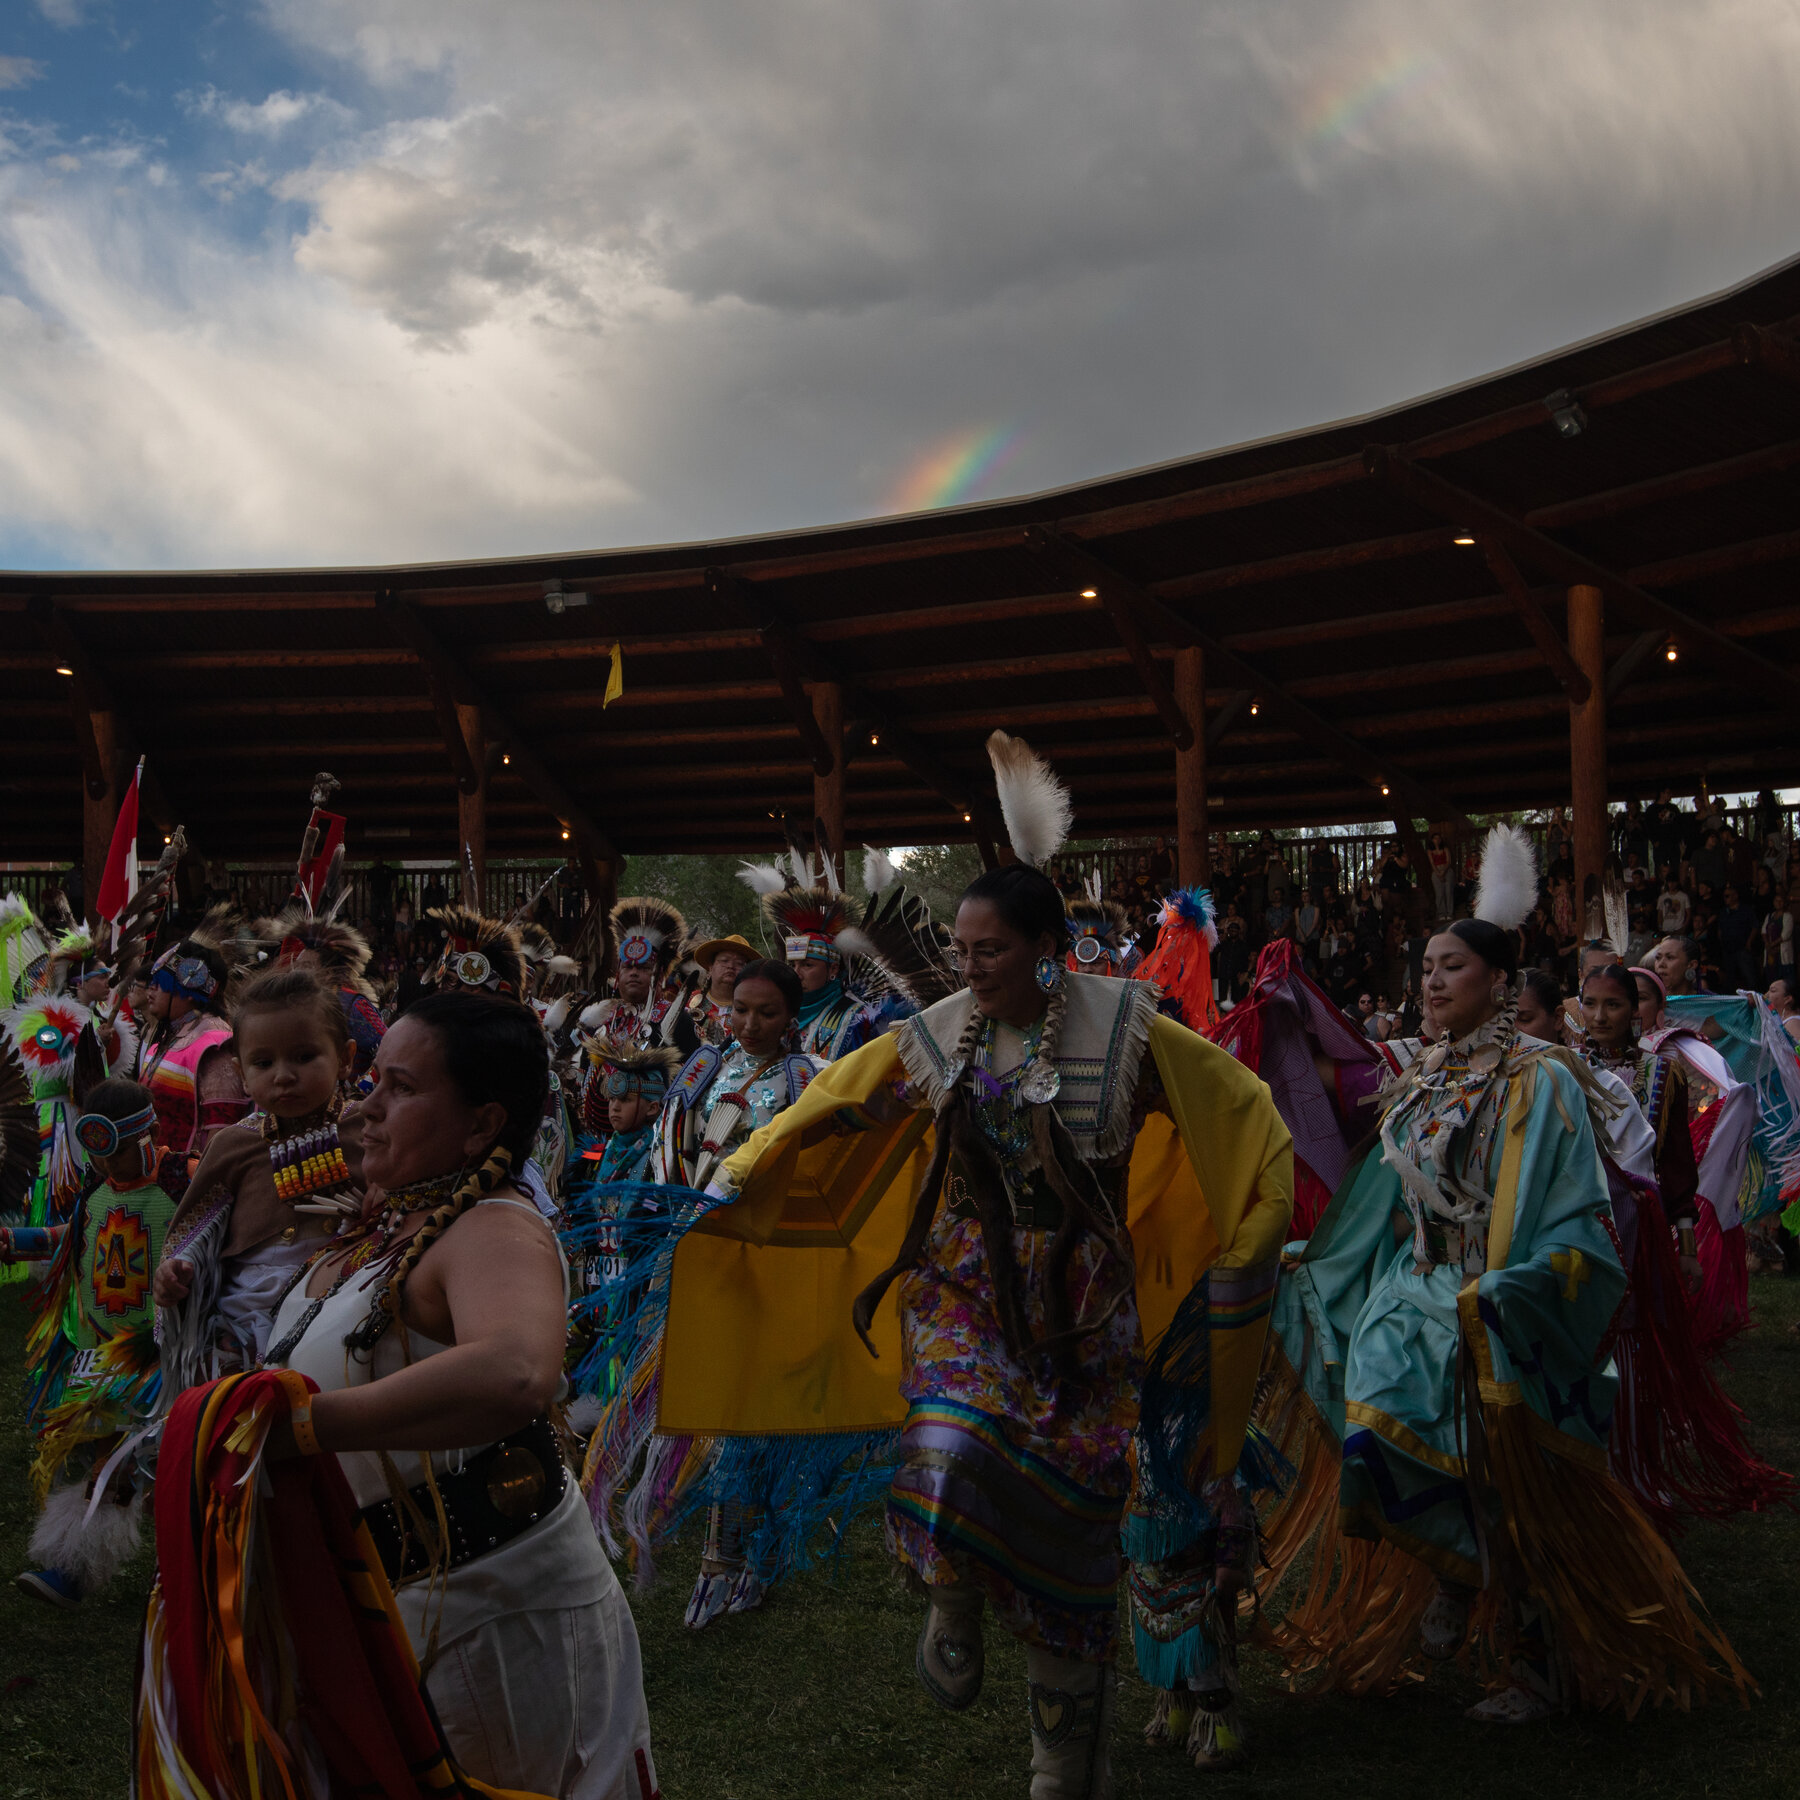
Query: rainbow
(1337, 112)
(952, 469)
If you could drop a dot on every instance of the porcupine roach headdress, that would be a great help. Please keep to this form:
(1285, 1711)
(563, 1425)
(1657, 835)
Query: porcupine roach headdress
(1181, 963)
(631, 1070)
(480, 952)
(809, 915)
(342, 950)
(539, 949)
(72, 961)
(647, 932)
(1097, 929)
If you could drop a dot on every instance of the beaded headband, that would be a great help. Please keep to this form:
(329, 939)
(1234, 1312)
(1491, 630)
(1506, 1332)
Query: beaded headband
(100, 1136)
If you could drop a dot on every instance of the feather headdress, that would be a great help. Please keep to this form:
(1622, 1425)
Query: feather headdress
(1034, 804)
(1618, 913)
(21, 944)
(44, 1032)
(1507, 888)
(1097, 927)
(479, 952)
(1181, 963)
(647, 932)
(342, 950)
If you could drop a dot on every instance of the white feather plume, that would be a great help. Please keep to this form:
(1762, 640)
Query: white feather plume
(1093, 885)
(878, 871)
(763, 878)
(1035, 805)
(1508, 886)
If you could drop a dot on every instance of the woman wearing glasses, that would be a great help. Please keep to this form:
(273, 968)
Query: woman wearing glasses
(1034, 1199)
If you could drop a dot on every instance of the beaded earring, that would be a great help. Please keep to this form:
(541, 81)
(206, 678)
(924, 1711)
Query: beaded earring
(1049, 974)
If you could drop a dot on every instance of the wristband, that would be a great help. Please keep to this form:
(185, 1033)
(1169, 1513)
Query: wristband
(306, 1440)
(1685, 1240)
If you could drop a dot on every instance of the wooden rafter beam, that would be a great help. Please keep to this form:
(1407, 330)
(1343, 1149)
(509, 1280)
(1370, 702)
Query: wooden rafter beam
(459, 687)
(1627, 663)
(897, 736)
(1058, 553)
(92, 694)
(1776, 350)
(1545, 635)
(447, 683)
(786, 653)
(1229, 714)
(1486, 520)
(1157, 617)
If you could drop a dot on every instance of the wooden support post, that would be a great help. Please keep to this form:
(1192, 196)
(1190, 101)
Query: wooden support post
(471, 802)
(828, 787)
(1587, 742)
(1193, 865)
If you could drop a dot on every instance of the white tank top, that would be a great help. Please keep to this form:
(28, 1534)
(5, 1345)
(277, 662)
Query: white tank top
(321, 1354)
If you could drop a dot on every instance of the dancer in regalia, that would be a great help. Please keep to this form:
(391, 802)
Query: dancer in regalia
(1442, 1377)
(1092, 1196)
(1683, 1080)
(1678, 1439)
(187, 1063)
(96, 1384)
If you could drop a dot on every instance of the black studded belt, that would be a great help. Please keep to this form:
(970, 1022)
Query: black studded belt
(490, 1500)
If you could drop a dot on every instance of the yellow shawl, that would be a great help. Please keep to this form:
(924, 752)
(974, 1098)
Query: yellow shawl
(759, 1339)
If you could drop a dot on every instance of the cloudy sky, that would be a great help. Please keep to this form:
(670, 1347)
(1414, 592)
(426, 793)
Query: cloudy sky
(376, 280)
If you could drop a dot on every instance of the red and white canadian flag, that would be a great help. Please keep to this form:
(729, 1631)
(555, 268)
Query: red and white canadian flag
(120, 881)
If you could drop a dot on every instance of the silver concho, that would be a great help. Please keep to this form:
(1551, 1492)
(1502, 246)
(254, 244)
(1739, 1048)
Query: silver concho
(473, 968)
(1485, 1059)
(1435, 1058)
(1041, 1084)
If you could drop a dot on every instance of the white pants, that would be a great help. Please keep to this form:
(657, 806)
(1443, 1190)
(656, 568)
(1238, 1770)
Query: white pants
(550, 1701)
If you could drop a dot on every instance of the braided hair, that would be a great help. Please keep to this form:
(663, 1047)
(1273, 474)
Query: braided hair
(494, 1051)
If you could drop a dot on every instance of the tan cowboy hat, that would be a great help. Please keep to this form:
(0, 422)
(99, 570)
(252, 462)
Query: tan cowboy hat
(703, 954)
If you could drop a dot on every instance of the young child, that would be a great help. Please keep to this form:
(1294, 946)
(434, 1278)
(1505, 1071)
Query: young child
(635, 1082)
(268, 1190)
(94, 1378)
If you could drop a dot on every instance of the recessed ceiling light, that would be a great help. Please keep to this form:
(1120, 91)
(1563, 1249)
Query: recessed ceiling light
(1090, 593)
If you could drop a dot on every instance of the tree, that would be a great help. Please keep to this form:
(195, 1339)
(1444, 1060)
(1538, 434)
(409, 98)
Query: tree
(706, 889)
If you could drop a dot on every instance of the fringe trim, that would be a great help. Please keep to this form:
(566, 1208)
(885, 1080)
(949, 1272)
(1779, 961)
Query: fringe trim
(1353, 1627)
(1625, 1623)
(1118, 1039)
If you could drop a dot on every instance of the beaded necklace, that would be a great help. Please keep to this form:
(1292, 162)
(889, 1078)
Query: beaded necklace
(1004, 1121)
(369, 1240)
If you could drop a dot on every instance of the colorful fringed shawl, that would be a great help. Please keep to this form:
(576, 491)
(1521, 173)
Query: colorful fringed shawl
(1452, 1427)
(274, 1665)
(759, 1345)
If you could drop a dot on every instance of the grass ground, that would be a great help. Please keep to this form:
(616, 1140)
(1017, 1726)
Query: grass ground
(813, 1697)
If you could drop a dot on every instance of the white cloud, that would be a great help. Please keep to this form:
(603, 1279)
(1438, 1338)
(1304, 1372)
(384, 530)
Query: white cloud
(66, 13)
(19, 71)
(264, 118)
(617, 274)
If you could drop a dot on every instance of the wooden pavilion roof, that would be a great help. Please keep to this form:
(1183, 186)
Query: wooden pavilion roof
(1354, 642)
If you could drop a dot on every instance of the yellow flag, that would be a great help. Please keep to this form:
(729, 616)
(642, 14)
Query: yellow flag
(615, 680)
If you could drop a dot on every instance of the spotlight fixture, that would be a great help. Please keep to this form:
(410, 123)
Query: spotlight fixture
(874, 737)
(966, 819)
(64, 669)
(1090, 593)
(558, 601)
(1565, 413)
(1465, 542)
(1253, 708)
(1671, 653)
(1384, 788)
(565, 836)
(168, 840)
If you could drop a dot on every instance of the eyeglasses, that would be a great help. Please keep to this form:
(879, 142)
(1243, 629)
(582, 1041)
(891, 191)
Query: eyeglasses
(982, 960)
